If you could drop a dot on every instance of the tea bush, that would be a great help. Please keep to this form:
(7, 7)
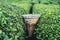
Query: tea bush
(34, 1)
(48, 27)
(15, 1)
(11, 25)
(23, 1)
(25, 6)
(31, 1)
(47, 1)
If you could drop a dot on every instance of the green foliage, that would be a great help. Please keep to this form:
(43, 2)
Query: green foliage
(25, 6)
(34, 1)
(48, 27)
(11, 25)
(15, 1)
(49, 1)
(46, 1)
(24, 1)
(31, 1)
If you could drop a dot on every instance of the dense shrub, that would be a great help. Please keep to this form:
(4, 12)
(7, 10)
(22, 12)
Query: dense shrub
(31, 1)
(49, 1)
(25, 6)
(11, 25)
(15, 1)
(24, 1)
(48, 27)
(46, 1)
(34, 1)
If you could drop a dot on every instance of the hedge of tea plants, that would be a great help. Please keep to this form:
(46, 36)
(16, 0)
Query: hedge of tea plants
(31, 1)
(46, 1)
(48, 27)
(11, 25)
(25, 6)
(50, 1)
(15, 1)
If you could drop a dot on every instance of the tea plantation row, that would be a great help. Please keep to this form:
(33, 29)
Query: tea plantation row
(12, 27)
(31, 1)
(48, 28)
